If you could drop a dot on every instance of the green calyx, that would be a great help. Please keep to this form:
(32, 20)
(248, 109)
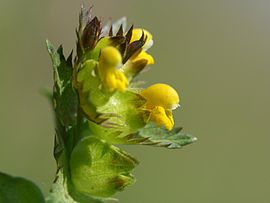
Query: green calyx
(100, 169)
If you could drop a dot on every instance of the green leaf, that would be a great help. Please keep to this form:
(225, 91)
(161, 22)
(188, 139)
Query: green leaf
(100, 169)
(161, 137)
(65, 101)
(65, 98)
(18, 190)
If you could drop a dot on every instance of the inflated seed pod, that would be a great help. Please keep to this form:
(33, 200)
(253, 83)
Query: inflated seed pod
(100, 169)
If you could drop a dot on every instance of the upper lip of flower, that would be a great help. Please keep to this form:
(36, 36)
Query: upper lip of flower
(148, 45)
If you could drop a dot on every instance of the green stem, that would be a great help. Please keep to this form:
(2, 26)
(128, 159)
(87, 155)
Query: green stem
(79, 123)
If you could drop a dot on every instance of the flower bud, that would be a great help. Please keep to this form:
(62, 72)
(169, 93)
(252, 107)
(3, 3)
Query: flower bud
(110, 57)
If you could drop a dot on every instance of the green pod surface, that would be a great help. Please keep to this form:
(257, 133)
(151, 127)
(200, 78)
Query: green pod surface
(100, 169)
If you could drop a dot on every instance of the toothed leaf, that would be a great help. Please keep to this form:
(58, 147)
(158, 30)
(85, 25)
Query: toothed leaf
(64, 96)
(153, 135)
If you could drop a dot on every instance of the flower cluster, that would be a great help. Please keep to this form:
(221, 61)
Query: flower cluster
(111, 62)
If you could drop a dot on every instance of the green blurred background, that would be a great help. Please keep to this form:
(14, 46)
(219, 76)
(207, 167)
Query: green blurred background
(214, 52)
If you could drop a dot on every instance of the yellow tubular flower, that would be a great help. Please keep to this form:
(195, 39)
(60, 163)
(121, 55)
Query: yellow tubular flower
(136, 35)
(161, 99)
(161, 95)
(112, 78)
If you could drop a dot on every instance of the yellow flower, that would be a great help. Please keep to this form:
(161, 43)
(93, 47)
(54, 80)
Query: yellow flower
(143, 55)
(136, 35)
(111, 77)
(162, 117)
(140, 58)
(161, 99)
(161, 95)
